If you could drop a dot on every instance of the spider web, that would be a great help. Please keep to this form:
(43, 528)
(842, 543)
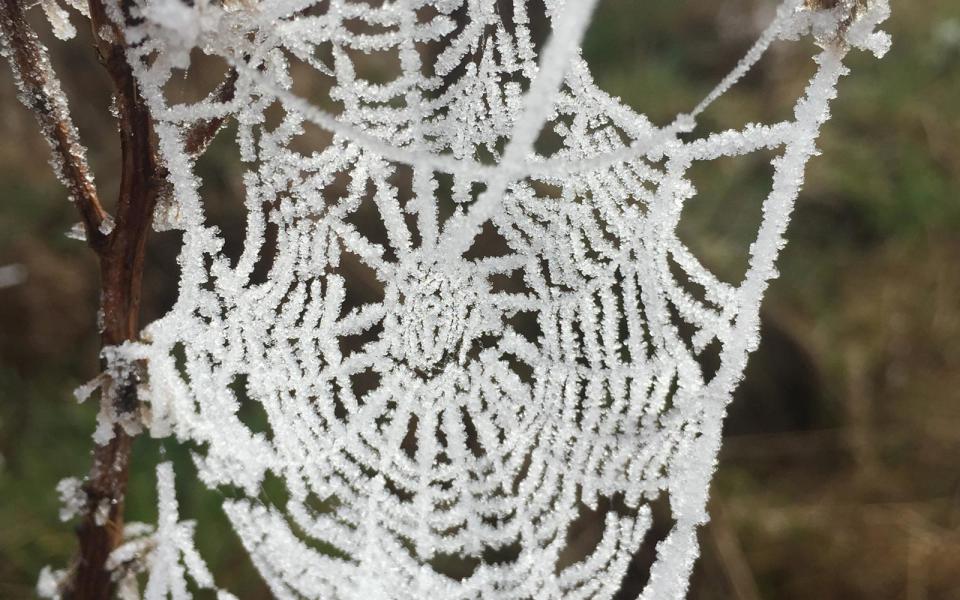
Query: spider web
(518, 343)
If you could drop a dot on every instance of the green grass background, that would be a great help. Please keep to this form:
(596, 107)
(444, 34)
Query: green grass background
(840, 474)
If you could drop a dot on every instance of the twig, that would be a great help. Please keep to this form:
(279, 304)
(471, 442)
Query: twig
(121, 269)
(40, 92)
(200, 135)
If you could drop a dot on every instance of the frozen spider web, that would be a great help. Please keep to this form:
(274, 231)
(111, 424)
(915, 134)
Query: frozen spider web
(443, 409)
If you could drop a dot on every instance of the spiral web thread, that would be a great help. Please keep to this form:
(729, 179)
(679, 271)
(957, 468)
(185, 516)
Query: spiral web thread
(440, 432)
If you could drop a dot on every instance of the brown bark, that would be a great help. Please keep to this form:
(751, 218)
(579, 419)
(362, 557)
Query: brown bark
(121, 273)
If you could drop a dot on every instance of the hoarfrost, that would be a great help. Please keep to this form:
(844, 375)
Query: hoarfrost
(121, 388)
(470, 403)
(50, 582)
(59, 19)
(167, 554)
(72, 498)
(40, 92)
(106, 225)
(77, 232)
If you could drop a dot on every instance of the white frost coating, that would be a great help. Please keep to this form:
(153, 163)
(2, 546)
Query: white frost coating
(59, 19)
(441, 413)
(180, 25)
(72, 498)
(785, 14)
(167, 554)
(52, 102)
(106, 225)
(77, 231)
(49, 583)
(119, 386)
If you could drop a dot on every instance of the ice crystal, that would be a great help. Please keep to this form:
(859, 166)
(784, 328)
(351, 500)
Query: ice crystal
(50, 582)
(77, 232)
(106, 226)
(40, 92)
(72, 498)
(521, 339)
(59, 19)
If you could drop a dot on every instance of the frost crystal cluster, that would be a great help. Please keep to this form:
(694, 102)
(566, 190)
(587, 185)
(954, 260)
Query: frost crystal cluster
(516, 341)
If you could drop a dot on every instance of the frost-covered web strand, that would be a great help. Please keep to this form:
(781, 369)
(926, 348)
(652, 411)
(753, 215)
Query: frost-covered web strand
(442, 163)
(670, 574)
(785, 12)
(563, 45)
(167, 554)
(459, 349)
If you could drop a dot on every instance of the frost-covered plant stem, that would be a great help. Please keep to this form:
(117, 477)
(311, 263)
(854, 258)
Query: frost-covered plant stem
(120, 251)
(119, 242)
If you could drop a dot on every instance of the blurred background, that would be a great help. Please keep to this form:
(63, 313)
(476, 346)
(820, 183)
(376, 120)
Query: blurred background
(840, 474)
